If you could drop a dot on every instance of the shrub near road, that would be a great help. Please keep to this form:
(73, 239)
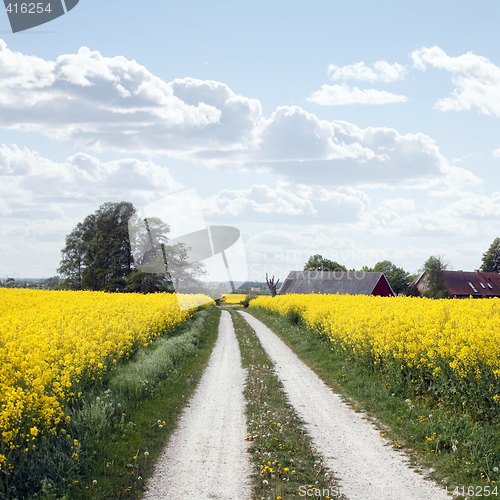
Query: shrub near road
(56, 345)
(446, 349)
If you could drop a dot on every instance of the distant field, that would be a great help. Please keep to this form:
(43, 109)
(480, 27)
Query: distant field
(234, 298)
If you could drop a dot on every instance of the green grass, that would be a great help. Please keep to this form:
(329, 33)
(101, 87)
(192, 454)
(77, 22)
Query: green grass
(122, 429)
(449, 447)
(281, 451)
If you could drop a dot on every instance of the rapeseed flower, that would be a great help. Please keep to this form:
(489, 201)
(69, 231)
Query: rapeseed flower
(53, 341)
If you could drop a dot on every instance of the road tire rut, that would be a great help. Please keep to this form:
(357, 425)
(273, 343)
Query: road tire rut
(207, 456)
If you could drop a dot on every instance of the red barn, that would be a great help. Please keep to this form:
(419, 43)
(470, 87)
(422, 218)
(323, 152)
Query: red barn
(341, 282)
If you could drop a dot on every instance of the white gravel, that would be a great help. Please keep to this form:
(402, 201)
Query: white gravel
(363, 461)
(207, 456)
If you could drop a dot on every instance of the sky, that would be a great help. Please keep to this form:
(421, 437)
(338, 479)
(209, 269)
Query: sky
(361, 131)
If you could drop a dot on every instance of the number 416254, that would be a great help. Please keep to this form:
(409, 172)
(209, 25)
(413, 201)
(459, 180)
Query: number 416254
(28, 8)
(474, 491)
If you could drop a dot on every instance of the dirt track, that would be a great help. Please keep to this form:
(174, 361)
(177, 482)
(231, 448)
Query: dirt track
(207, 456)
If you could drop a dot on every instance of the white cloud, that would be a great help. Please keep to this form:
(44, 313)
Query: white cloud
(496, 153)
(335, 95)
(298, 146)
(287, 202)
(382, 72)
(477, 207)
(41, 201)
(294, 134)
(258, 199)
(102, 103)
(29, 180)
(471, 215)
(281, 250)
(399, 204)
(477, 80)
(117, 104)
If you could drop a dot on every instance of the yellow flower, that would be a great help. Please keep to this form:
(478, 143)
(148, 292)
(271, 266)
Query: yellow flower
(442, 340)
(64, 336)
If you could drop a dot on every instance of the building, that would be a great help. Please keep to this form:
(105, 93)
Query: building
(332, 282)
(464, 284)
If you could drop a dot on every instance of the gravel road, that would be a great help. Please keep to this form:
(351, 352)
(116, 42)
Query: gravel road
(207, 455)
(365, 464)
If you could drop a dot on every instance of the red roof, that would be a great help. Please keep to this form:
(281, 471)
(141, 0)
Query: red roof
(474, 283)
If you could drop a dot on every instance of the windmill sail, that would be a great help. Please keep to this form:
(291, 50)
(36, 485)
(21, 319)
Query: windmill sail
(23, 16)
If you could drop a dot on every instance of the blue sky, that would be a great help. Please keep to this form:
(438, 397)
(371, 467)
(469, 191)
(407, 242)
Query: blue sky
(357, 130)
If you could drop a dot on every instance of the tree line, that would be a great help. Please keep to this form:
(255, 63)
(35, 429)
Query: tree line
(404, 283)
(98, 255)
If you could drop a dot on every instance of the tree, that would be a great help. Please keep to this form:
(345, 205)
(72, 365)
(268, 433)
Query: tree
(97, 253)
(319, 263)
(10, 282)
(434, 283)
(169, 263)
(183, 273)
(413, 291)
(272, 285)
(52, 283)
(397, 277)
(491, 258)
(72, 261)
(139, 282)
(148, 240)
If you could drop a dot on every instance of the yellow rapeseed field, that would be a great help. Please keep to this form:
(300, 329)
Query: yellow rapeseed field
(452, 346)
(234, 298)
(53, 342)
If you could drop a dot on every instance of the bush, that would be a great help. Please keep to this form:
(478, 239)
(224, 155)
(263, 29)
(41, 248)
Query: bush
(220, 300)
(246, 301)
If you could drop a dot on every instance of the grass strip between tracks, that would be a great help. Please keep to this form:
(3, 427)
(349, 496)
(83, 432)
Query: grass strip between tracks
(285, 464)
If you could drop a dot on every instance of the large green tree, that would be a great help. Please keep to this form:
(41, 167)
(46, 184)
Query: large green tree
(491, 258)
(435, 286)
(97, 253)
(397, 277)
(319, 263)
